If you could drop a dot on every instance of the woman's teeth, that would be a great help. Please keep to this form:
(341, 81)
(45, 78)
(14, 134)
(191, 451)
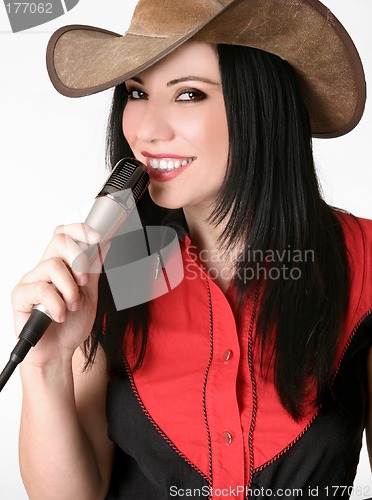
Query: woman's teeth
(168, 164)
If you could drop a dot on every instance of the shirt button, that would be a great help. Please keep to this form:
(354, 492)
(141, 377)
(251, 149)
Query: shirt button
(227, 355)
(227, 437)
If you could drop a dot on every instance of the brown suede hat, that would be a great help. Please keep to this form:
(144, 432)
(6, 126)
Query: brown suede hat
(83, 60)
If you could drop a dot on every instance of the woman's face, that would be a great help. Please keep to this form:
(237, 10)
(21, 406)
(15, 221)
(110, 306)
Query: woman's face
(175, 123)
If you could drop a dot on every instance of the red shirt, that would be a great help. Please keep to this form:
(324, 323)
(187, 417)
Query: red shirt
(200, 387)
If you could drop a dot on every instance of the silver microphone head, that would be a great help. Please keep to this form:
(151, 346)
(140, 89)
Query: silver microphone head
(127, 174)
(122, 190)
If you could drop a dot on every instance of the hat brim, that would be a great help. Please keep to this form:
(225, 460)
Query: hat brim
(83, 60)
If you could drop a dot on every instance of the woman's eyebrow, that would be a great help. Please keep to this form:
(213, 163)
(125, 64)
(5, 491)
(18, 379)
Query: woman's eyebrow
(135, 79)
(192, 79)
(180, 80)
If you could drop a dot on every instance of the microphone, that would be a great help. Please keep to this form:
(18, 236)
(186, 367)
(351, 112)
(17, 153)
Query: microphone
(122, 190)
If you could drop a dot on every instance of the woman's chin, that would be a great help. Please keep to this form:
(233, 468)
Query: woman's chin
(164, 200)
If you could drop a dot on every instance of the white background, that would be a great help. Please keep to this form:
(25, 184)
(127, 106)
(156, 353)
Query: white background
(52, 165)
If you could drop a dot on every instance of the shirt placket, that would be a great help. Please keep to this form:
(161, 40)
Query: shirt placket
(222, 408)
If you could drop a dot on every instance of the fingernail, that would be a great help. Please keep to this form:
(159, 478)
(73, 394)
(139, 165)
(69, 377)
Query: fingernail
(62, 318)
(93, 236)
(82, 280)
(74, 306)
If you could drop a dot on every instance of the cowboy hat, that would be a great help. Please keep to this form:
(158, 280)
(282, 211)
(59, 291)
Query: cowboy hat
(83, 60)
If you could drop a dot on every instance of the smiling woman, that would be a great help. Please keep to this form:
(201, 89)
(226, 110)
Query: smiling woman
(175, 120)
(225, 383)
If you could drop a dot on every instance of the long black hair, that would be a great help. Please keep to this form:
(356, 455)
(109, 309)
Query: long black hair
(294, 251)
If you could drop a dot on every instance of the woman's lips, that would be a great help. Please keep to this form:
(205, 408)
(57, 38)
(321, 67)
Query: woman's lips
(166, 167)
(167, 164)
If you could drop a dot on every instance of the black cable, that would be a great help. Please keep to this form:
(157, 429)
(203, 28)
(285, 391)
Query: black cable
(31, 333)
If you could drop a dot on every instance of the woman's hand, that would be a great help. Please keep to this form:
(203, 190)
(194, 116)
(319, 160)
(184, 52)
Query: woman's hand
(69, 294)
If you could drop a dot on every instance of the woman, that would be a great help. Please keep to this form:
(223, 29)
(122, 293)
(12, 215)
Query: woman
(229, 379)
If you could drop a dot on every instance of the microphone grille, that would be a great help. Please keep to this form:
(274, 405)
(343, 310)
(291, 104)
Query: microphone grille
(128, 173)
(140, 187)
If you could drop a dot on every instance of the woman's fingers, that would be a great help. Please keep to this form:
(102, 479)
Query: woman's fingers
(25, 296)
(76, 254)
(55, 282)
(72, 240)
(79, 232)
(65, 282)
(55, 271)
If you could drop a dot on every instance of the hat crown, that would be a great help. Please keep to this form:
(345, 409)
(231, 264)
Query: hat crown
(165, 18)
(82, 60)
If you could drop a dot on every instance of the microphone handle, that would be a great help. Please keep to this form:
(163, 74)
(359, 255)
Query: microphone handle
(31, 333)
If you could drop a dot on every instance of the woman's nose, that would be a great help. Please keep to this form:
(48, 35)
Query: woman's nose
(155, 124)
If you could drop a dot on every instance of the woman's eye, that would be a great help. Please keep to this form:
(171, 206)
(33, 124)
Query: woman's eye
(191, 96)
(135, 94)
